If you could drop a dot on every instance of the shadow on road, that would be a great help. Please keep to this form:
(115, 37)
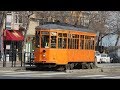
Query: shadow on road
(33, 68)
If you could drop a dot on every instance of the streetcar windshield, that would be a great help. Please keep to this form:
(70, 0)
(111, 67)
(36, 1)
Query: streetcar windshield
(45, 40)
(37, 41)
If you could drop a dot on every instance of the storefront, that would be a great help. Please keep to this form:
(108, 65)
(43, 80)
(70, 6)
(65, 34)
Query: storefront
(13, 40)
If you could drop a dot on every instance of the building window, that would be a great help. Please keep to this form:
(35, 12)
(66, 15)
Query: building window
(20, 19)
(8, 21)
(16, 18)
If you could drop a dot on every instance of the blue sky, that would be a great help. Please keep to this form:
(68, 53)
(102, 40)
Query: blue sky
(109, 40)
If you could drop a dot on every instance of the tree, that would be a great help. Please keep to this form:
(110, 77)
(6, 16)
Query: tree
(115, 25)
(98, 23)
(25, 26)
(2, 18)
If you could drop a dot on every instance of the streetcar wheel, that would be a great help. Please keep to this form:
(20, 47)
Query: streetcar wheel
(71, 66)
(92, 65)
(67, 67)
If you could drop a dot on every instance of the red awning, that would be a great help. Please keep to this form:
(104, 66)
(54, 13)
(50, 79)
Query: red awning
(13, 35)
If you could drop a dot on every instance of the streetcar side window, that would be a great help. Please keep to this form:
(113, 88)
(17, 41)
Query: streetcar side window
(92, 42)
(62, 40)
(59, 42)
(37, 41)
(53, 39)
(86, 42)
(82, 42)
(69, 41)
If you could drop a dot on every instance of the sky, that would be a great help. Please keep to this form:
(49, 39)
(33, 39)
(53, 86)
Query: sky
(110, 40)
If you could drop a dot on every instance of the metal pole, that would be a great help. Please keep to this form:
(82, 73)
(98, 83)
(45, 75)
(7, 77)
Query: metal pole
(24, 58)
(21, 58)
(30, 58)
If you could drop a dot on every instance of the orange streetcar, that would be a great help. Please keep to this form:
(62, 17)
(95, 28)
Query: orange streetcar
(64, 47)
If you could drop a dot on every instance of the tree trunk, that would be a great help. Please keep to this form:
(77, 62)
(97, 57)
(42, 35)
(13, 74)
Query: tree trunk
(117, 40)
(25, 36)
(25, 32)
(98, 41)
(1, 34)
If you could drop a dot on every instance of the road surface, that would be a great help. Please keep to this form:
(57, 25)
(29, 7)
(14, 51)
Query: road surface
(105, 71)
(56, 75)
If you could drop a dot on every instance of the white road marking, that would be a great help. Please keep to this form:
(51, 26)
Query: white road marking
(27, 76)
(57, 73)
(49, 73)
(112, 77)
(19, 72)
(31, 74)
(5, 71)
(92, 76)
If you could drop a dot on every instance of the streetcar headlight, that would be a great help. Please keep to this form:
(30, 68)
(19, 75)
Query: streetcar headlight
(43, 55)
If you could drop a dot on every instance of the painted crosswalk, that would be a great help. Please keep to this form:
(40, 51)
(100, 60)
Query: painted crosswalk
(86, 76)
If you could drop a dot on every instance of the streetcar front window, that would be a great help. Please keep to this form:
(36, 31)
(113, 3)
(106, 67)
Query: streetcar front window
(45, 39)
(37, 41)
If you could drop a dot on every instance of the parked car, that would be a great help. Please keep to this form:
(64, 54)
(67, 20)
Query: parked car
(98, 57)
(102, 58)
(105, 58)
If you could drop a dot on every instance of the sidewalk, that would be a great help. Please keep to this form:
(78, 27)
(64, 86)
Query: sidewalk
(9, 63)
(9, 66)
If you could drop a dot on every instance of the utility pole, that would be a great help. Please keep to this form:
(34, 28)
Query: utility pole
(3, 15)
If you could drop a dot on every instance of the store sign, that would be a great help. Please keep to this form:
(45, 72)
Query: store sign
(7, 46)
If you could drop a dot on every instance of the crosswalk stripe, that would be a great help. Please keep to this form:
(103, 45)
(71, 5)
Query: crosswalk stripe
(27, 76)
(53, 73)
(30, 74)
(19, 72)
(92, 76)
(114, 77)
(5, 71)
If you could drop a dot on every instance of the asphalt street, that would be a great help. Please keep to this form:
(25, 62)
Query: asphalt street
(104, 71)
(57, 75)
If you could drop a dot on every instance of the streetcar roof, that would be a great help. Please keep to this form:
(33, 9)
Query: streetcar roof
(64, 27)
